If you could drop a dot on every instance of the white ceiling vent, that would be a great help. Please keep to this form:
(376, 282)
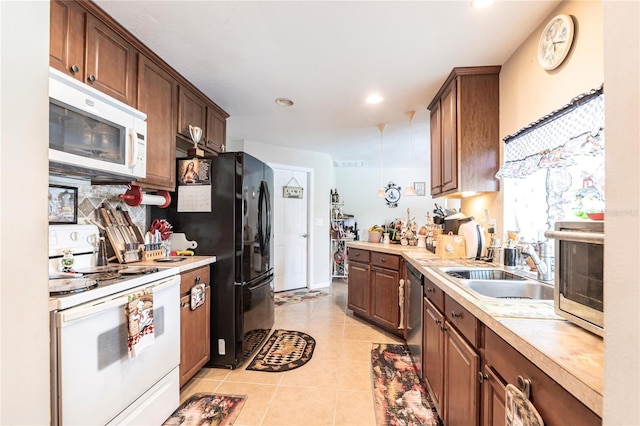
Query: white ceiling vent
(349, 163)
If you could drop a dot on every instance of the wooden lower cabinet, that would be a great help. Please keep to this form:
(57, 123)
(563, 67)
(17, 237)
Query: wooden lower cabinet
(555, 404)
(433, 353)
(385, 309)
(358, 294)
(194, 325)
(493, 396)
(461, 390)
(373, 288)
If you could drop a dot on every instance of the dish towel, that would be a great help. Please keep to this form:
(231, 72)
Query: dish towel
(139, 314)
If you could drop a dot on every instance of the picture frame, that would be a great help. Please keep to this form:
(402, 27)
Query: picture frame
(194, 171)
(419, 188)
(63, 204)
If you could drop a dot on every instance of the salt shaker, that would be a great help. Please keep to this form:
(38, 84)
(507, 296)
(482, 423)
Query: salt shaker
(509, 255)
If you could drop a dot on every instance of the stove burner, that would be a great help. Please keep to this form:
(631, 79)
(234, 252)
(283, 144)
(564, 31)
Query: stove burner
(138, 270)
(103, 276)
(70, 285)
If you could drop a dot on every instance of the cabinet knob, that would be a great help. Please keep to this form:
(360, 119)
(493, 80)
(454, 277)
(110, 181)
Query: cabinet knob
(438, 322)
(183, 304)
(91, 78)
(382, 260)
(525, 386)
(454, 314)
(74, 69)
(482, 377)
(430, 290)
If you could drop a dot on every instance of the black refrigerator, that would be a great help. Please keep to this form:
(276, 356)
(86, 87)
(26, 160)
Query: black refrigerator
(238, 231)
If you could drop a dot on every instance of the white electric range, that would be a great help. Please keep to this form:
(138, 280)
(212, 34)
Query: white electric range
(95, 380)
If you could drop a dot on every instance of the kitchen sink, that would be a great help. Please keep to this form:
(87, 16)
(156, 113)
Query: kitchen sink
(488, 283)
(483, 274)
(508, 289)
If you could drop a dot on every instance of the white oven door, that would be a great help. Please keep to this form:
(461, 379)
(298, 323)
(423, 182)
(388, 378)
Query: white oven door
(95, 378)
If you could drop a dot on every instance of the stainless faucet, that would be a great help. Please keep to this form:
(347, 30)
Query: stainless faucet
(545, 272)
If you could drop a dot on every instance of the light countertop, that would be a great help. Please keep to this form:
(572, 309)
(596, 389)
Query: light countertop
(188, 262)
(570, 355)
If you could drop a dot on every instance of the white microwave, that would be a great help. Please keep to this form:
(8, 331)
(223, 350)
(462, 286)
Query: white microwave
(91, 134)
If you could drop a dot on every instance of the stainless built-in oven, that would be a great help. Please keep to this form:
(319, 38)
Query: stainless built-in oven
(579, 278)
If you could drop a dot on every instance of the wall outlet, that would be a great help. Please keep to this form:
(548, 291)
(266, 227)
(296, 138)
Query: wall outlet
(221, 347)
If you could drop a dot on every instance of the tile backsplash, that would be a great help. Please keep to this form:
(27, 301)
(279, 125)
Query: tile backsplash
(91, 197)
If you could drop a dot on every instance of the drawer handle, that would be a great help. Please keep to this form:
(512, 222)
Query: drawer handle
(454, 314)
(438, 322)
(482, 377)
(525, 386)
(382, 260)
(430, 290)
(91, 78)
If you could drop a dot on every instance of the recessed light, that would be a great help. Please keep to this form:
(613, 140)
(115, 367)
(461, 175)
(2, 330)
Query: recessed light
(284, 102)
(374, 99)
(481, 4)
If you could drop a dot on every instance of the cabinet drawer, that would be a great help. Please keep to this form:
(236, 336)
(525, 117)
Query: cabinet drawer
(358, 255)
(434, 294)
(554, 403)
(193, 276)
(461, 319)
(383, 260)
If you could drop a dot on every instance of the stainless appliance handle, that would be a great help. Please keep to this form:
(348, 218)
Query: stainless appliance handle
(264, 206)
(578, 237)
(260, 227)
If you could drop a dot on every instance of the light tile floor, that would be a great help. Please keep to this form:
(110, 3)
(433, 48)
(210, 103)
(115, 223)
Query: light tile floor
(333, 388)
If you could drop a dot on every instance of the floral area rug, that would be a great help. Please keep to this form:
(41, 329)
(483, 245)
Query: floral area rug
(297, 296)
(207, 409)
(400, 395)
(283, 351)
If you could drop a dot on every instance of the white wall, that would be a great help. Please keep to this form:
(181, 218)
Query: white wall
(323, 182)
(622, 248)
(358, 188)
(24, 293)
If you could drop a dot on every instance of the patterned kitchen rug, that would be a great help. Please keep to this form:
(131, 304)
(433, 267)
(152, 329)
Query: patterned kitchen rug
(207, 409)
(283, 351)
(400, 395)
(297, 296)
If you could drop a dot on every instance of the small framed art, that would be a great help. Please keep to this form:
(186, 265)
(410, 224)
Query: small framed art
(63, 204)
(419, 188)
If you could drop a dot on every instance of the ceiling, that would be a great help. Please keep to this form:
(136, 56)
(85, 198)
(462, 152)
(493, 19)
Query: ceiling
(327, 56)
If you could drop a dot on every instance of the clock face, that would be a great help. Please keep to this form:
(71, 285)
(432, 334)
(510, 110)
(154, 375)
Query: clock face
(555, 42)
(392, 194)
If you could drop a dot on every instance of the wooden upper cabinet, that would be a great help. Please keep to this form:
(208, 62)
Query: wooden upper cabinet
(111, 62)
(67, 38)
(192, 111)
(216, 134)
(465, 144)
(158, 98)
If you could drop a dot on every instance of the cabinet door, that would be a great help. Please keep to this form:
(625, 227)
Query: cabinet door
(191, 111)
(449, 143)
(194, 336)
(462, 393)
(433, 353)
(384, 298)
(216, 131)
(158, 98)
(66, 38)
(493, 395)
(436, 149)
(111, 62)
(358, 288)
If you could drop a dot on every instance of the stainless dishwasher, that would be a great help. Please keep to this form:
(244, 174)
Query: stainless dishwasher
(414, 316)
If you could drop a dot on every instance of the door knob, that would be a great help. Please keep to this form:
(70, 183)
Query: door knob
(304, 235)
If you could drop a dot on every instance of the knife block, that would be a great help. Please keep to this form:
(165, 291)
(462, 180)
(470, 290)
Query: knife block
(152, 254)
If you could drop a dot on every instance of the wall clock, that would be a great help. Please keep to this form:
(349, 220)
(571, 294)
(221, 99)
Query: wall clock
(555, 42)
(392, 194)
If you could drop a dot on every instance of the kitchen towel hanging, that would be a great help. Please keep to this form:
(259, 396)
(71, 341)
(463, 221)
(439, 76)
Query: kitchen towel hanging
(139, 313)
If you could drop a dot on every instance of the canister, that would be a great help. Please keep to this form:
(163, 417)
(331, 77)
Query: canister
(509, 255)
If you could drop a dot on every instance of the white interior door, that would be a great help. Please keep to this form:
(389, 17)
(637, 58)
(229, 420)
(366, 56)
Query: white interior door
(290, 230)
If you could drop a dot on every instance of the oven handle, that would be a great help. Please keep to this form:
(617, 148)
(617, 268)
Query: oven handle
(578, 237)
(74, 314)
